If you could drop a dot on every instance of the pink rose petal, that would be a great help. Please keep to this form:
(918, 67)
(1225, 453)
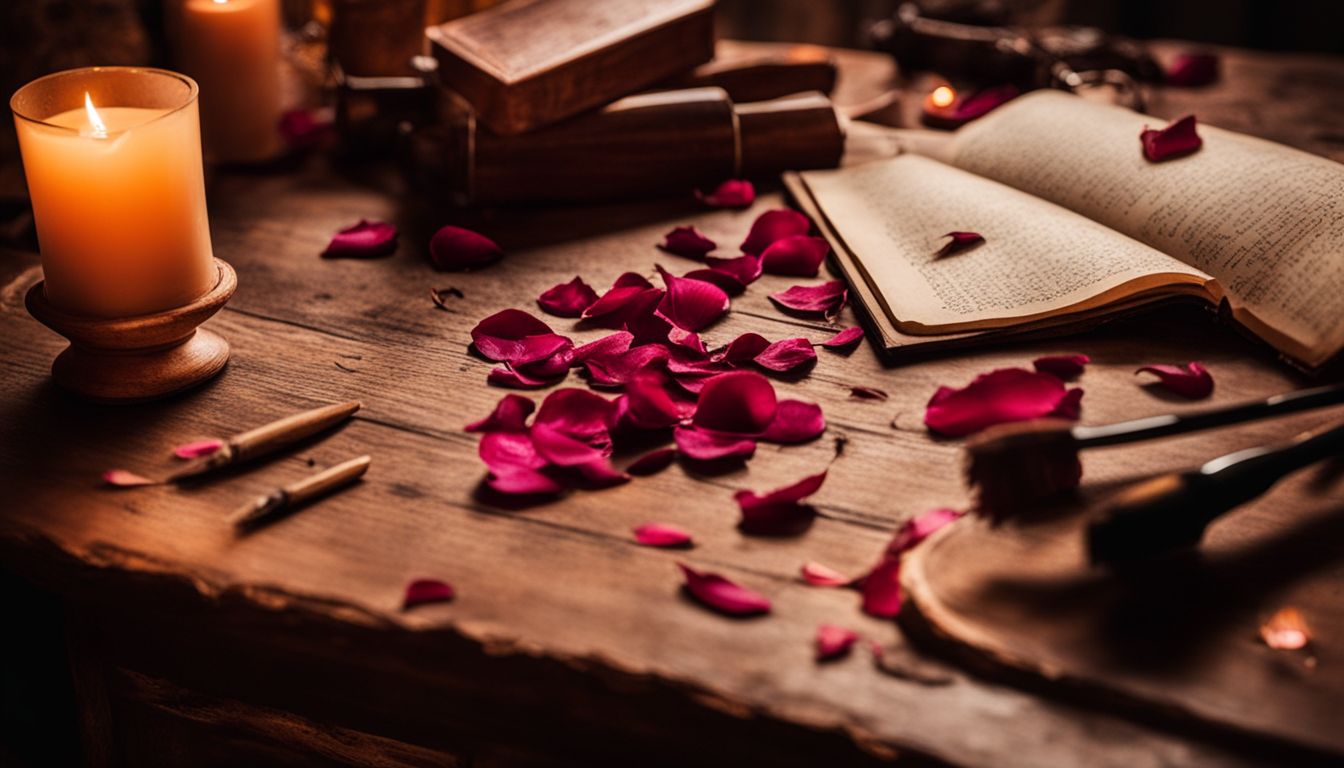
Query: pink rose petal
(423, 591)
(834, 642)
(662, 535)
(1193, 380)
(819, 575)
(733, 193)
(648, 404)
(743, 348)
(568, 299)
(772, 226)
(614, 370)
(868, 393)
(455, 248)
(825, 299)
(505, 451)
(983, 101)
(1071, 407)
(611, 344)
(781, 511)
(514, 336)
(722, 595)
(739, 402)
(919, 528)
(997, 397)
(745, 268)
(561, 449)
(122, 478)
(652, 462)
(704, 445)
(198, 448)
(961, 241)
(881, 589)
(795, 422)
(846, 338)
(600, 474)
(1062, 366)
(786, 355)
(1176, 139)
(688, 242)
(691, 304)
(1191, 70)
(726, 282)
(365, 240)
(510, 415)
(797, 256)
(521, 481)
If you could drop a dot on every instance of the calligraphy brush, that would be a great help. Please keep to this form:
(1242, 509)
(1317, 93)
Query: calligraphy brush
(1171, 511)
(268, 439)
(1015, 466)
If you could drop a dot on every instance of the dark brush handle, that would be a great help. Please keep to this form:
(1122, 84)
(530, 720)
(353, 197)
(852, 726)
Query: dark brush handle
(1227, 415)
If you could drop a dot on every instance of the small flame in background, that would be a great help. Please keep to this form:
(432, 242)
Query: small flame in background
(1286, 630)
(942, 96)
(98, 129)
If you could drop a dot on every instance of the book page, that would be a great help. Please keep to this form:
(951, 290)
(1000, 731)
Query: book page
(1265, 219)
(1037, 257)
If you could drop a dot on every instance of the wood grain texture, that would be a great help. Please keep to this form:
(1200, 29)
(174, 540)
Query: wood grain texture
(566, 639)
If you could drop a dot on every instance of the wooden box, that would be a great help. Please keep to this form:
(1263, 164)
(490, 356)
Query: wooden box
(528, 63)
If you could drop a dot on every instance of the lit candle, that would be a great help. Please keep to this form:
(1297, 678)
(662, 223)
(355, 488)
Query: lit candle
(113, 161)
(945, 108)
(232, 48)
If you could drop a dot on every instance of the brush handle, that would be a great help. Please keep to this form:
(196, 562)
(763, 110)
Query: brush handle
(1177, 424)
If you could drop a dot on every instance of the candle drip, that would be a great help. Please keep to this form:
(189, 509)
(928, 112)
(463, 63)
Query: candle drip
(98, 129)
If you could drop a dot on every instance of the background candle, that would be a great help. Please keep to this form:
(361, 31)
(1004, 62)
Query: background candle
(232, 49)
(120, 212)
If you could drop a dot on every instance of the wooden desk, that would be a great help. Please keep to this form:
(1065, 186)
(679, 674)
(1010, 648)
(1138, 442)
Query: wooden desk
(568, 644)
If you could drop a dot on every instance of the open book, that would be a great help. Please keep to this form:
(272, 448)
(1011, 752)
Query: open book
(1079, 228)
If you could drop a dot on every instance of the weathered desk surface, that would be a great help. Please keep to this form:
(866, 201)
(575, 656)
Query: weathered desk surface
(567, 643)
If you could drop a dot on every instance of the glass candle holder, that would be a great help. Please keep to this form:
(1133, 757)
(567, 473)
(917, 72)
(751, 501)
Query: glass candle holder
(112, 157)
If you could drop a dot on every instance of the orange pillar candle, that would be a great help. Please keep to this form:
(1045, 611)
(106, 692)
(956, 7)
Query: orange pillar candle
(113, 161)
(232, 48)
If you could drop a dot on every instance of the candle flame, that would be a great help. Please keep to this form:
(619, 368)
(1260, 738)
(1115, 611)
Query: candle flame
(98, 127)
(943, 96)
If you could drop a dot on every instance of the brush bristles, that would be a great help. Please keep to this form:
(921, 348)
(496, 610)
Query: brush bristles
(1147, 520)
(1014, 467)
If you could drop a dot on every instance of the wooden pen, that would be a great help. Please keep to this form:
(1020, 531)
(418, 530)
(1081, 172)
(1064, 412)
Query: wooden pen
(263, 509)
(269, 438)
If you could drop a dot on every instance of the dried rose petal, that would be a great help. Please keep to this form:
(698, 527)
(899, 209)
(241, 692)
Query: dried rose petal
(704, 445)
(825, 299)
(608, 370)
(691, 304)
(960, 241)
(781, 511)
(652, 462)
(510, 415)
(662, 535)
(365, 240)
(422, 591)
(726, 282)
(997, 397)
(848, 337)
(688, 242)
(819, 575)
(198, 448)
(786, 355)
(722, 595)
(739, 402)
(438, 296)
(1193, 381)
(772, 226)
(455, 248)
(795, 422)
(733, 193)
(1177, 139)
(919, 528)
(881, 589)
(122, 478)
(1063, 366)
(568, 299)
(611, 344)
(514, 336)
(868, 393)
(743, 348)
(1286, 630)
(797, 256)
(1191, 70)
(834, 642)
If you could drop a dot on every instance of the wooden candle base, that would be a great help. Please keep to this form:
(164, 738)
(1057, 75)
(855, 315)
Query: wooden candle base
(133, 359)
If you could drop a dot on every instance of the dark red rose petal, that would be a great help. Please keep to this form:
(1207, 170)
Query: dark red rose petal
(305, 128)
(568, 299)
(846, 338)
(1175, 140)
(1063, 366)
(510, 415)
(1071, 407)
(739, 402)
(512, 378)
(703, 445)
(581, 414)
(521, 481)
(122, 478)
(562, 450)
(733, 193)
(1191, 70)
(881, 589)
(960, 241)
(505, 451)
(455, 248)
(648, 404)
(423, 591)
(745, 268)
(514, 336)
(997, 397)
(198, 448)
(620, 305)
(819, 575)
(610, 370)
(691, 304)
(365, 240)
(983, 101)
(919, 528)
(688, 242)
(786, 355)
(726, 282)
(773, 226)
(662, 535)
(652, 462)
(781, 511)
(795, 422)
(1193, 380)
(722, 595)
(797, 256)
(742, 349)
(600, 474)
(868, 393)
(834, 642)
(611, 344)
(825, 299)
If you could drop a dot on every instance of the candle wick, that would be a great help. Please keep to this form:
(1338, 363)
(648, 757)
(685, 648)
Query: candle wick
(99, 129)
